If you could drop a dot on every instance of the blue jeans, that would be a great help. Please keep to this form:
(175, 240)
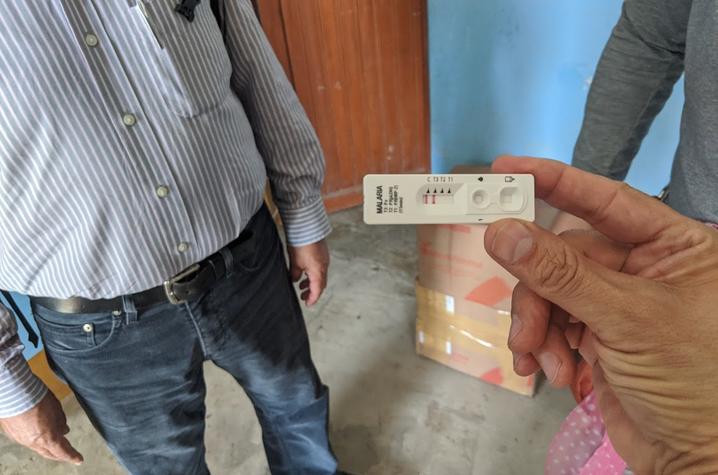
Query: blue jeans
(138, 374)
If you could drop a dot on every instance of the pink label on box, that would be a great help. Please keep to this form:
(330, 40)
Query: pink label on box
(490, 292)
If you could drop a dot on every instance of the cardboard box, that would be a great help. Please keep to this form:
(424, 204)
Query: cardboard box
(466, 344)
(464, 300)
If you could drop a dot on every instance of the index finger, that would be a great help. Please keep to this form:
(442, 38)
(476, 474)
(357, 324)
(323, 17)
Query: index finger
(613, 208)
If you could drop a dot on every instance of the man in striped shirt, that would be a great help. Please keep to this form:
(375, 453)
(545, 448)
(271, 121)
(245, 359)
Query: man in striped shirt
(135, 142)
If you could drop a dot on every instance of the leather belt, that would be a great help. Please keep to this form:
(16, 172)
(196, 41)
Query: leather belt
(188, 284)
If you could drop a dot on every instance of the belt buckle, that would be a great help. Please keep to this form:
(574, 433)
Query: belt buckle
(171, 296)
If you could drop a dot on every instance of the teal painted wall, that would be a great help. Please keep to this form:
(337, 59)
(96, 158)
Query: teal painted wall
(511, 76)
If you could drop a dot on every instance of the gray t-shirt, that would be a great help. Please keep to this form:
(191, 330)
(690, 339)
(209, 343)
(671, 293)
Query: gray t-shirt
(654, 42)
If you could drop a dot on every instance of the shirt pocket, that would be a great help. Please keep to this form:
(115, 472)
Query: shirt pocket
(191, 57)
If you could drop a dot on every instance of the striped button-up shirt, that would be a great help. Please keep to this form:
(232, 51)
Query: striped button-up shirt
(134, 143)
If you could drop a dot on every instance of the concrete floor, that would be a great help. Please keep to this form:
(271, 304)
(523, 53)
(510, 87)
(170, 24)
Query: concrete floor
(393, 413)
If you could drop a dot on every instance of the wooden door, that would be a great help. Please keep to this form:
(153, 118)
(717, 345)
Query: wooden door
(360, 70)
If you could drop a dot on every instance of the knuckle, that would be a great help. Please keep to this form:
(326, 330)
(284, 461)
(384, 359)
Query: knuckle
(601, 213)
(558, 270)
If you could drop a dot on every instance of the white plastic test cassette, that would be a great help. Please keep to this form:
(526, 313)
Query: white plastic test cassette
(447, 199)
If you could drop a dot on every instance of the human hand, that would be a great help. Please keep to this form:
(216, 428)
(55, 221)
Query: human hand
(43, 429)
(639, 296)
(312, 261)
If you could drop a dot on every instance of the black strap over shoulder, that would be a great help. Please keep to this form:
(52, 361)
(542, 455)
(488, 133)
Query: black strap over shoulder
(31, 335)
(186, 8)
(219, 14)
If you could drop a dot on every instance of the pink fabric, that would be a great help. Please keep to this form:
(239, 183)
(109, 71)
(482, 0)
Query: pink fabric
(581, 446)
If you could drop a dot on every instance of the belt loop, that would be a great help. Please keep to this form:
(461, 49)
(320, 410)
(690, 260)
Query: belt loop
(228, 260)
(128, 306)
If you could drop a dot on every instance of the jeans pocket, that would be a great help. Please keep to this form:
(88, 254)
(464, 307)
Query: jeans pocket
(254, 255)
(249, 264)
(75, 333)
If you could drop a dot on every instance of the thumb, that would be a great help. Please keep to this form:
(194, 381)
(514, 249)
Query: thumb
(556, 271)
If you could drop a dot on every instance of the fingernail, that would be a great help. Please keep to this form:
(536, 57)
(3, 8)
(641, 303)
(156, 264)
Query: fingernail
(512, 242)
(516, 326)
(550, 363)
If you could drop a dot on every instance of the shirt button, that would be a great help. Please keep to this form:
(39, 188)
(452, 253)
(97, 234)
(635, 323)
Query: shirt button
(183, 247)
(87, 327)
(91, 40)
(129, 120)
(162, 191)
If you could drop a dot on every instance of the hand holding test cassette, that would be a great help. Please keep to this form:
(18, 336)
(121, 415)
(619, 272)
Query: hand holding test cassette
(448, 199)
